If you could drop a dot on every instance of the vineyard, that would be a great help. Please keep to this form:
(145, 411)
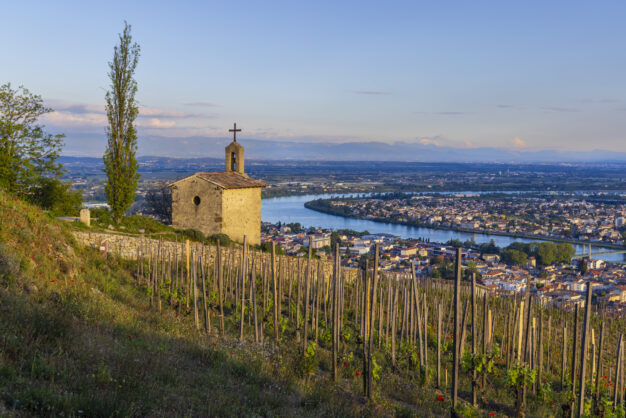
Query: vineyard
(182, 328)
(385, 334)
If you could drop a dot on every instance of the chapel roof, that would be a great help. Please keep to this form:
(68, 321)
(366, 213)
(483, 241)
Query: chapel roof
(227, 180)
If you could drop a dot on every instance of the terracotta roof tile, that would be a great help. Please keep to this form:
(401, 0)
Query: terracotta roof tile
(231, 180)
(226, 180)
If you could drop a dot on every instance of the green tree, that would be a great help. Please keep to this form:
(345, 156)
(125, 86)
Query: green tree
(490, 248)
(456, 243)
(512, 256)
(564, 252)
(27, 153)
(119, 158)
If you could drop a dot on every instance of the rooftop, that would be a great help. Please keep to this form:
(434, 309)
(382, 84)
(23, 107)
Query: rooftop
(227, 180)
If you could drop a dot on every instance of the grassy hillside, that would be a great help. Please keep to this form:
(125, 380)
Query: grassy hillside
(77, 338)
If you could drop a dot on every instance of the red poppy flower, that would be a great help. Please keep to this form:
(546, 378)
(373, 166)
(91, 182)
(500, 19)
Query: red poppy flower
(357, 373)
(551, 402)
(51, 281)
(445, 368)
(345, 364)
(440, 398)
(491, 414)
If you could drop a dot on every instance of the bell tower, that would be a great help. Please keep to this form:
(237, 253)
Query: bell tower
(234, 154)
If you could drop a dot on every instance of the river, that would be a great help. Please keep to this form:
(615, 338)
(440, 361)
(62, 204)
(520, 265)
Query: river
(291, 209)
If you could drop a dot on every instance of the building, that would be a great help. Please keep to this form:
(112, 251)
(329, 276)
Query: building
(318, 241)
(227, 202)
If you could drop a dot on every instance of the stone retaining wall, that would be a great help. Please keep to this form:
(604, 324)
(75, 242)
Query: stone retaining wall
(130, 246)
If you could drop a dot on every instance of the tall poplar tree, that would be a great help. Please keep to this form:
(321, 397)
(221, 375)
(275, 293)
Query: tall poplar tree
(119, 158)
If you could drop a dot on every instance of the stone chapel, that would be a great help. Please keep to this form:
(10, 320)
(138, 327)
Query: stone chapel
(227, 202)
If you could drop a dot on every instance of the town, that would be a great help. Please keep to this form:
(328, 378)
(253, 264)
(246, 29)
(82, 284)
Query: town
(560, 284)
(591, 218)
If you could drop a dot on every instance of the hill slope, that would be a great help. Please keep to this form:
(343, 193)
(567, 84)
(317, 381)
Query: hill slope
(77, 337)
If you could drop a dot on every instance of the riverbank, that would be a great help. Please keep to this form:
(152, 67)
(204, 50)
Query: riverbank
(311, 205)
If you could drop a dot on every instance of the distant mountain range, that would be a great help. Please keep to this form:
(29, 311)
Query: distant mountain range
(193, 147)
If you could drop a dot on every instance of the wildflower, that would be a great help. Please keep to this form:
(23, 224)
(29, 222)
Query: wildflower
(440, 398)
(551, 402)
(445, 368)
(51, 281)
(491, 414)
(358, 373)
(345, 364)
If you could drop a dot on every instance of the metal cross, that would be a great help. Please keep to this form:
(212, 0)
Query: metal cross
(234, 131)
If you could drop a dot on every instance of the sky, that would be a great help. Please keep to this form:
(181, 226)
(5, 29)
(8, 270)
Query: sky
(524, 76)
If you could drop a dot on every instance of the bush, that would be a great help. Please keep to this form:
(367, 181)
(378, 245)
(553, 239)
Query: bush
(193, 235)
(53, 195)
(103, 217)
(223, 239)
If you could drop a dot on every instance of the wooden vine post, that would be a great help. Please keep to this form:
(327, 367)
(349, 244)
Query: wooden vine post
(474, 329)
(439, 314)
(370, 358)
(583, 352)
(599, 367)
(275, 291)
(244, 261)
(307, 286)
(220, 276)
(457, 328)
(335, 314)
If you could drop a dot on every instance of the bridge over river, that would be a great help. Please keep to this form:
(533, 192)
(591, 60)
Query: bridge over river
(600, 254)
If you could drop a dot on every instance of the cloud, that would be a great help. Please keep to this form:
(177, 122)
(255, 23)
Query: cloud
(200, 104)
(156, 123)
(77, 108)
(65, 119)
(468, 144)
(166, 113)
(373, 92)
(92, 117)
(519, 143)
(429, 141)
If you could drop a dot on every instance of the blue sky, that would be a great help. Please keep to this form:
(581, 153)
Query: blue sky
(517, 75)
